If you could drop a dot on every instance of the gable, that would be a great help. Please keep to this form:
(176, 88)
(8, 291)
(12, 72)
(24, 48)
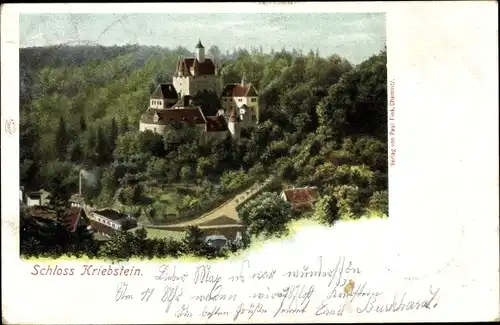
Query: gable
(165, 91)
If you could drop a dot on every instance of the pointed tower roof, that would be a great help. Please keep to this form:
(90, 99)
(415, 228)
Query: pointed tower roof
(199, 45)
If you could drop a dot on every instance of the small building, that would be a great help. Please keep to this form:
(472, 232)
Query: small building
(77, 200)
(163, 97)
(301, 198)
(101, 231)
(37, 198)
(113, 220)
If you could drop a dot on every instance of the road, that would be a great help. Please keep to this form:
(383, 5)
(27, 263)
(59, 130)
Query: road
(227, 209)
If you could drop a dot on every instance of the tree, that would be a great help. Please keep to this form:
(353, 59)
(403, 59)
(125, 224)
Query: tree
(349, 201)
(204, 167)
(61, 140)
(109, 183)
(326, 209)
(267, 214)
(113, 131)
(232, 181)
(119, 247)
(141, 234)
(209, 102)
(194, 242)
(102, 147)
(186, 173)
(152, 143)
(83, 123)
(215, 53)
(379, 203)
(157, 169)
(58, 178)
(127, 144)
(131, 194)
(124, 125)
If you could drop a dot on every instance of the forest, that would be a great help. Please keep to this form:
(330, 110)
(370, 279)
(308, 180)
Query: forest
(323, 123)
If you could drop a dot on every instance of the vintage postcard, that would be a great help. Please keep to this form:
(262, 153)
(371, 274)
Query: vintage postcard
(257, 162)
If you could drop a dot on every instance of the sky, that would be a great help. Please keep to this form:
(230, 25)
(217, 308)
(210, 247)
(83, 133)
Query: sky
(355, 36)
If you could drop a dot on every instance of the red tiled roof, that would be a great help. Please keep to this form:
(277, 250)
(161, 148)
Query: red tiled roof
(237, 90)
(42, 212)
(101, 228)
(216, 124)
(70, 216)
(110, 214)
(205, 68)
(301, 195)
(188, 115)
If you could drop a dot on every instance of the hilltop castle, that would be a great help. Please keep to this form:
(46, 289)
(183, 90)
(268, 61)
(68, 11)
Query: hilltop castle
(239, 102)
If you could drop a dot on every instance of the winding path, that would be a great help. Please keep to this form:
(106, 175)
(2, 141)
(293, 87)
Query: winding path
(227, 209)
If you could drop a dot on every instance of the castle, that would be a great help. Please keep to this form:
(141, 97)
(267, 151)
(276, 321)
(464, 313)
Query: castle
(172, 102)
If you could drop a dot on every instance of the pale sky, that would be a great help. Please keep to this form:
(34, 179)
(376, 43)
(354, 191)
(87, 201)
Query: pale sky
(355, 36)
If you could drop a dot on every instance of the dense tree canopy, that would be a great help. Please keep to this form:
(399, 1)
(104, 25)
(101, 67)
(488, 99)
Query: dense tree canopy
(267, 214)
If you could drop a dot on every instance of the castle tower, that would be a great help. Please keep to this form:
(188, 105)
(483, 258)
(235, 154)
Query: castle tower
(244, 80)
(200, 52)
(233, 124)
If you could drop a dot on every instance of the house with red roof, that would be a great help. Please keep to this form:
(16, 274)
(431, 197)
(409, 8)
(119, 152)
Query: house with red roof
(243, 99)
(301, 198)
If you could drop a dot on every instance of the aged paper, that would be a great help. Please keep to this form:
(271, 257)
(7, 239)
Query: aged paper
(433, 256)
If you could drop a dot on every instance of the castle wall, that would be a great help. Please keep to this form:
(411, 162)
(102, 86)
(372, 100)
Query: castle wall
(215, 135)
(155, 128)
(200, 83)
(182, 85)
(191, 85)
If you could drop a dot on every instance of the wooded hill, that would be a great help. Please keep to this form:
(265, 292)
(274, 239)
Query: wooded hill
(324, 123)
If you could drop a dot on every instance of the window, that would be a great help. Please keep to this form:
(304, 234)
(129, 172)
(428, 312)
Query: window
(254, 118)
(240, 100)
(254, 100)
